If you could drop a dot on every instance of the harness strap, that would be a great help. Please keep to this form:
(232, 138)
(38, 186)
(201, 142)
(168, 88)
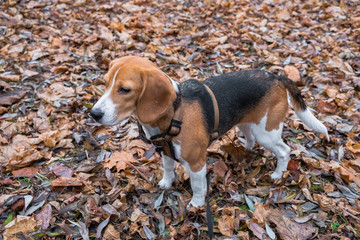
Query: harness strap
(215, 132)
(162, 141)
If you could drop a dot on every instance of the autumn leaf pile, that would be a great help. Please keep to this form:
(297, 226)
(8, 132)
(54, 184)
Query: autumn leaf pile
(63, 176)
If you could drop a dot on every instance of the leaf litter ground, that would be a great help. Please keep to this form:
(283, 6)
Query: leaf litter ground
(64, 176)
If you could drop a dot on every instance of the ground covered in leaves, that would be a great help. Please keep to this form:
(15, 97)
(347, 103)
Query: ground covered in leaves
(64, 176)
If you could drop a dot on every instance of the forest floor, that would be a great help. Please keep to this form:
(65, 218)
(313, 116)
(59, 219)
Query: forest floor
(63, 176)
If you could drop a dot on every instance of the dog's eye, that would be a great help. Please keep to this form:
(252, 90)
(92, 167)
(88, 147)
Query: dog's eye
(124, 90)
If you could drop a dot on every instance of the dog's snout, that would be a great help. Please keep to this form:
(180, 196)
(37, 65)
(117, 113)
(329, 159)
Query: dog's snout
(96, 114)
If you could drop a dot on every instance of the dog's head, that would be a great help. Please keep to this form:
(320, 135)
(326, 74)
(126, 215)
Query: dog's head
(134, 85)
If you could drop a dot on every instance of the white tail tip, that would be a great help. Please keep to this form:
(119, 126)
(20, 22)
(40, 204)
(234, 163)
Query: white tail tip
(312, 122)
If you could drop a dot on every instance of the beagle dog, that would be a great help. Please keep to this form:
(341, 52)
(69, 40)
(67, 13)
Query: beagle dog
(255, 101)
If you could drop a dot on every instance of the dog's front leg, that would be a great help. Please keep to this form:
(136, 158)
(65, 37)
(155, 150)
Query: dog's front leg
(198, 186)
(169, 174)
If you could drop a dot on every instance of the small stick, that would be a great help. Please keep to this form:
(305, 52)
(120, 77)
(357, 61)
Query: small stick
(140, 173)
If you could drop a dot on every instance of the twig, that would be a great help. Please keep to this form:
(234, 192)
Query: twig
(140, 173)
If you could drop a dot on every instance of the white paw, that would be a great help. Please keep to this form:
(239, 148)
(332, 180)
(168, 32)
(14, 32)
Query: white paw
(166, 183)
(276, 175)
(195, 203)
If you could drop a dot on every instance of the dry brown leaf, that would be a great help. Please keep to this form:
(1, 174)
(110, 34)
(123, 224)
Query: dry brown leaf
(220, 168)
(105, 33)
(288, 229)
(117, 25)
(326, 106)
(139, 216)
(23, 224)
(341, 65)
(327, 204)
(62, 171)
(10, 77)
(11, 97)
(25, 172)
(20, 156)
(119, 160)
(260, 214)
(258, 191)
(44, 216)
(55, 92)
(59, 69)
(354, 147)
(283, 15)
(292, 73)
(41, 124)
(347, 173)
(258, 231)
(111, 233)
(51, 138)
(66, 182)
(331, 92)
(38, 53)
(226, 225)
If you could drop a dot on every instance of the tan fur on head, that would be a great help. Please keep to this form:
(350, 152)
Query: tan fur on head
(134, 85)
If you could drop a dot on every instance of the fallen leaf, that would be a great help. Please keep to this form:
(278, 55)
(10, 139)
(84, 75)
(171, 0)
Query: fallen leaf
(22, 224)
(51, 138)
(56, 92)
(326, 107)
(62, 171)
(59, 69)
(289, 230)
(292, 73)
(258, 231)
(11, 97)
(44, 216)
(111, 233)
(260, 214)
(25, 172)
(226, 225)
(119, 160)
(327, 204)
(220, 168)
(66, 182)
(139, 216)
(353, 146)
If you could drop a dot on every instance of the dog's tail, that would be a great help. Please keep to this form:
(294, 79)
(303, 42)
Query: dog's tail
(302, 111)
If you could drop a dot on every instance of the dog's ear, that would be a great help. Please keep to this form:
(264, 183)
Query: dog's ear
(156, 97)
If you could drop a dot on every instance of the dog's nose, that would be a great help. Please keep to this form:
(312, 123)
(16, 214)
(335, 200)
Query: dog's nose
(96, 114)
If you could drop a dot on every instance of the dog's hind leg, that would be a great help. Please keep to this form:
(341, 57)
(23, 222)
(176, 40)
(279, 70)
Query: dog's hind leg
(169, 175)
(249, 137)
(272, 141)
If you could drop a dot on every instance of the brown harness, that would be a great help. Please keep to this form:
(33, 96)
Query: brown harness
(163, 141)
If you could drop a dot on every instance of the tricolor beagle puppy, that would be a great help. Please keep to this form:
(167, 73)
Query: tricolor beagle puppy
(255, 101)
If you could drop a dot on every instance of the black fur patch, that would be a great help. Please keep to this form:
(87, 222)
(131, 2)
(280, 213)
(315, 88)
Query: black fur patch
(236, 93)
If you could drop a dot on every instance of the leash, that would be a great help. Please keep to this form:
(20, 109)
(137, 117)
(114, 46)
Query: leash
(209, 218)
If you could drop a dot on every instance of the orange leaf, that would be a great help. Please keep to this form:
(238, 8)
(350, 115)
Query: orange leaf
(25, 172)
(292, 73)
(226, 225)
(354, 147)
(119, 160)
